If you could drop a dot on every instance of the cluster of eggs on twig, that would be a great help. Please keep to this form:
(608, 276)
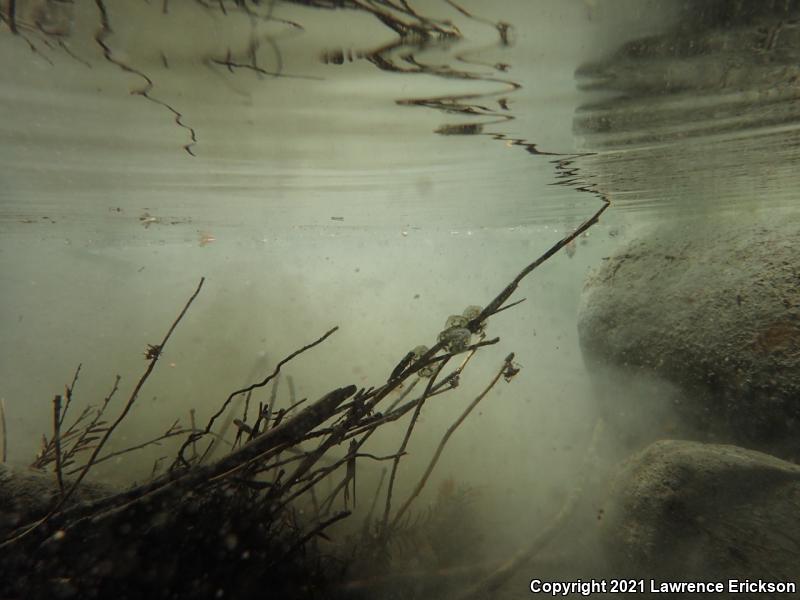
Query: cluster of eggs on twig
(455, 336)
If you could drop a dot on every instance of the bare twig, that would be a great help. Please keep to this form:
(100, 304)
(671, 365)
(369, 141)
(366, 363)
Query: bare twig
(403, 445)
(273, 395)
(423, 480)
(3, 429)
(180, 461)
(156, 464)
(79, 436)
(194, 427)
(350, 461)
(495, 305)
(68, 393)
(173, 430)
(512, 305)
(11, 16)
(211, 450)
(316, 531)
(368, 518)
(241, 424)
(57, 441)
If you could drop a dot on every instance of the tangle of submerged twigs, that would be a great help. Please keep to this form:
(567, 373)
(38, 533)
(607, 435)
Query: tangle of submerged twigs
(282, 451)
(106, 433)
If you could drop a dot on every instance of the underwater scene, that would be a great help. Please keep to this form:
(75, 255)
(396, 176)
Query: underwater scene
(399, 299)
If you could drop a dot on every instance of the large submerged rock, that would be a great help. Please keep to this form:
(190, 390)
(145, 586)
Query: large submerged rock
(687, 511)
(27, 495)
(694, 331)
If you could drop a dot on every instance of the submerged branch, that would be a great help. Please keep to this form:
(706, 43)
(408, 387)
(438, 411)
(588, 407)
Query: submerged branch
(181, 461)
(495, 305)
(57, 441)
(418, 408)
(3, 430)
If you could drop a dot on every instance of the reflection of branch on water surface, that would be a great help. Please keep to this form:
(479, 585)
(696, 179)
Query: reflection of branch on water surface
(145, 92)
(402, 56)
(49, 26)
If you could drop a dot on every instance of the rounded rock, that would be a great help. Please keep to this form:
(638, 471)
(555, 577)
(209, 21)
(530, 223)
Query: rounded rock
(712, 310)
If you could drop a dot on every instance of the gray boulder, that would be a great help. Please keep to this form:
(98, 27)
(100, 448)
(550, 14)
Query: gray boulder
(26, 495)
(694, 331)
(687, 511)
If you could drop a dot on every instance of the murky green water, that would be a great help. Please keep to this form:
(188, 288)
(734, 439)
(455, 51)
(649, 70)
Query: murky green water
(378, 167)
